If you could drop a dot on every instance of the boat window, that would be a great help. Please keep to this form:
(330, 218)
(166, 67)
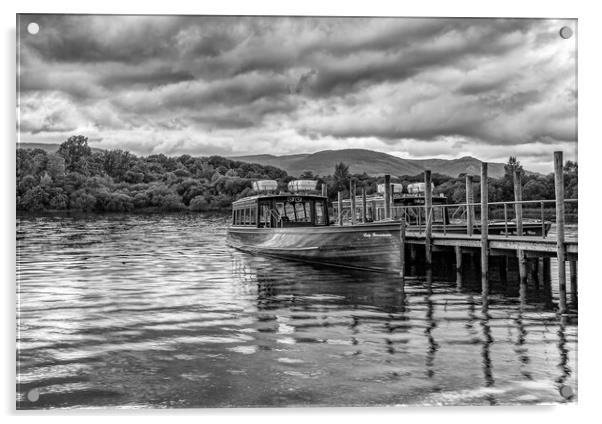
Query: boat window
(303, 211)
(253, 220)
(280, 209)
(320, 215)
(437, 214)
(290, 211)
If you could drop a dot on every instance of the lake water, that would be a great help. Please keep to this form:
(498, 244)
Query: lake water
(156, 311)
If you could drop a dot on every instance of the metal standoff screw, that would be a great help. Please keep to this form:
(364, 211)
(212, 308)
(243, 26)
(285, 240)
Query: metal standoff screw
(33, 28)
(33, 395)
(566, 32)
(566, 392)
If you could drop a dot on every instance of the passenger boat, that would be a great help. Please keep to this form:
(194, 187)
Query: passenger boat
(296, 225)
(411, 204)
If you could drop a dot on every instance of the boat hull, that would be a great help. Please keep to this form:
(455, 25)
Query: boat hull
(373, 247)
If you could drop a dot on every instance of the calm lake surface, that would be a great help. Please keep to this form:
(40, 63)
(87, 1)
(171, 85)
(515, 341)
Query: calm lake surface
(156, 311)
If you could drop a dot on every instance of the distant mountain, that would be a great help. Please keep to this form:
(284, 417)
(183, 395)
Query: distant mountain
(371, 162)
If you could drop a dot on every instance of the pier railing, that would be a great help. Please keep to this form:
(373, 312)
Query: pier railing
(502, 213)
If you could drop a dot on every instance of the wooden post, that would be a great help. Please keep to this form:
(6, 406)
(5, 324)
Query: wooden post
(352, 191)
(324, 190)
(364, 206)
(484, 236)
(458, 250)
(534, 269)
(518, 213)
(387, 196)
(560, 253)
(522, 273)
(428, 206)
(573, 274)
(469, 209)
(518, 197)
(402, 248)
(340, 207)
(547, 281)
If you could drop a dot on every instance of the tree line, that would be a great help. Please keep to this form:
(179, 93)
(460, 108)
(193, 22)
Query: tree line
(77, 178)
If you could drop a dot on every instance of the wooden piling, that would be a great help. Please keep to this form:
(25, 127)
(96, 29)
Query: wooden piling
(560, 253)
(352, 191)
(340, 207)
(522, 275)
(547, 281)
(534, 270)
(428, 206)
(387, 196)
(458, 251)
(518, 214)
(413, 259)
(364, 206)
(484, 236)
(518, 197)
(402, 248)
(573, 275)
(469, 209)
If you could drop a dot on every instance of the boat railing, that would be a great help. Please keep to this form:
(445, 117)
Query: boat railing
(541, 211)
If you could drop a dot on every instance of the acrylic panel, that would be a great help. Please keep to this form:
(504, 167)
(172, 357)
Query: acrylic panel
(247, 211)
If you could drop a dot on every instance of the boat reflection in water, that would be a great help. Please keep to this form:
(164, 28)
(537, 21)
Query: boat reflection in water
(351, 337)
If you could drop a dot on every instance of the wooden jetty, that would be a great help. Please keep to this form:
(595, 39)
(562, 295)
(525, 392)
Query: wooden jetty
(532, 252)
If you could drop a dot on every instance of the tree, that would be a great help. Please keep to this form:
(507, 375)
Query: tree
(199, 203)
(341, 176)
(512, 165)
(75, 151)
(55, 166)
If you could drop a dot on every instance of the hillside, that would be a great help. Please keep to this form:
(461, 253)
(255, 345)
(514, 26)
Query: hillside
(371, 162)
(47, 147)
(359, 161)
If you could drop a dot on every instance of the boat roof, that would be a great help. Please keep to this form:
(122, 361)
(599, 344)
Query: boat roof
(284, 196)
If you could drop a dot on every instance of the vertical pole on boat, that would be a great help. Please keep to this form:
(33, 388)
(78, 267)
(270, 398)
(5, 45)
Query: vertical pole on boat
(428, 206)
(340, 207)
(484, 236)
(387, 196)
(373, 213)
(458, 250)
(402, 248)
(469, 209)
(559, 188)
(324, 190)
(573, 274)
(352, 191)
(364, 206)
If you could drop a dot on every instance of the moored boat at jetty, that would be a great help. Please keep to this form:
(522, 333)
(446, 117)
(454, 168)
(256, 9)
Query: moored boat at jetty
(296, 225)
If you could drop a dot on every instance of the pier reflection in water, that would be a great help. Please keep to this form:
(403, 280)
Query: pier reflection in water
(158, 312)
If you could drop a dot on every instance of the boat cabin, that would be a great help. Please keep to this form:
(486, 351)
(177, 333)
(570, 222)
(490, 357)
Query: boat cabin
(297, 208)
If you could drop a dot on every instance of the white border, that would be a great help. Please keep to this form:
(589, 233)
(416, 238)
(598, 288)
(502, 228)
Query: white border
(589, 161)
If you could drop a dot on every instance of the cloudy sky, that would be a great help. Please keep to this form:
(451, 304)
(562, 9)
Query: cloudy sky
(414, 88)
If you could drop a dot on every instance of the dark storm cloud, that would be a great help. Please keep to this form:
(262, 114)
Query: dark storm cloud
(230, 79)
